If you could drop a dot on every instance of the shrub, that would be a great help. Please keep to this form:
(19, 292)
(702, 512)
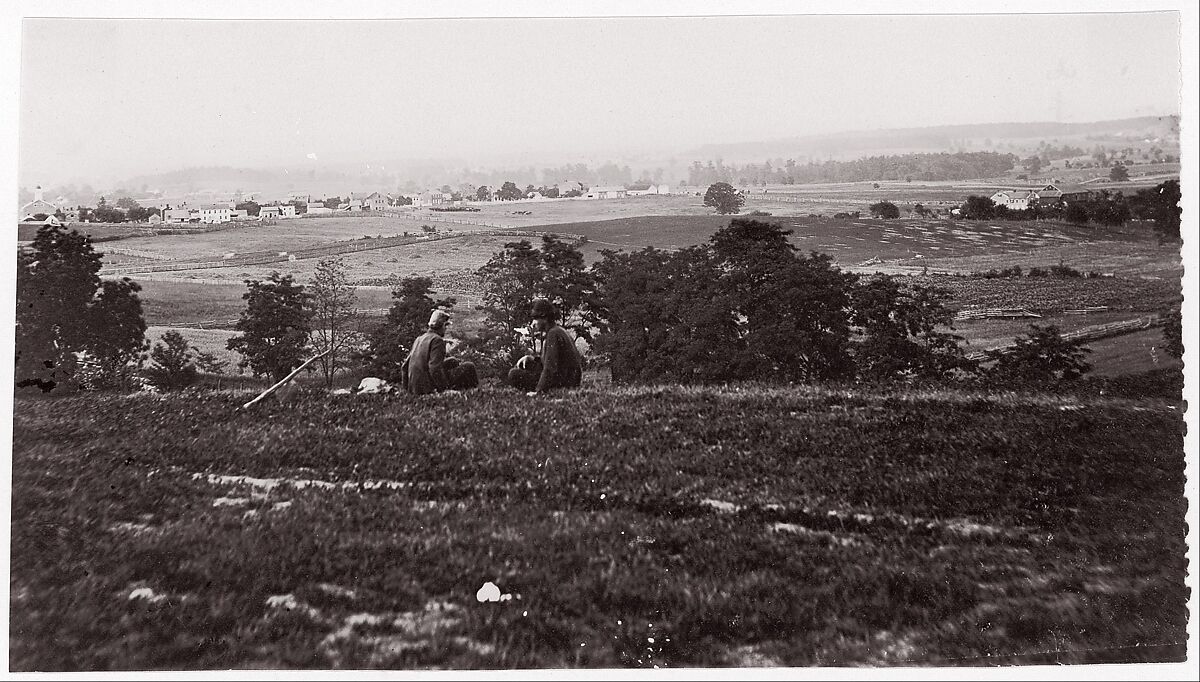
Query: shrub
(885, 209)
(172, 367)
(1041, 357)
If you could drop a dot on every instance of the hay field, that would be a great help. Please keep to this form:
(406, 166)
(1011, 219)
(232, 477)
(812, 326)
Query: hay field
(284, 235)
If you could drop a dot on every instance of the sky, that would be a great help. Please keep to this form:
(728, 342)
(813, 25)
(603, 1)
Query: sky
(103, 99)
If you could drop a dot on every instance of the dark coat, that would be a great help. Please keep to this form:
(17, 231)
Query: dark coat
(423, 371)
(562, 366)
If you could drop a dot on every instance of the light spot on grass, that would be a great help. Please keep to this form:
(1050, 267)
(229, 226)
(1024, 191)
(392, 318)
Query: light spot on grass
(131, 527)
(822, 535)
(721, 506)
(337, 591)
(146, 594)
(230, 502)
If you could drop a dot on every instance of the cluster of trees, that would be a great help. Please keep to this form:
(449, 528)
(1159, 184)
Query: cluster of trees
(747, 306)
(73, 328)
(124, 210)
(1159, 204)
(902, 167)
(744, 306)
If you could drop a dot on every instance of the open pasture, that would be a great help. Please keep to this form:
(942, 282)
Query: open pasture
(442, 259)
(283, 235)
(558, 211)
(640, 527)
(1107, 253)
(165, 302)
(853, 242)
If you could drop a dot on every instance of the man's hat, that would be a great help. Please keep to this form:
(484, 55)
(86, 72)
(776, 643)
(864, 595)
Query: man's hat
(438, 317)
(543, 309)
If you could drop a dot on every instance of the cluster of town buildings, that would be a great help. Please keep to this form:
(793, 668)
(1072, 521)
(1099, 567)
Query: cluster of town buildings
(1058, 192)
(357, 202)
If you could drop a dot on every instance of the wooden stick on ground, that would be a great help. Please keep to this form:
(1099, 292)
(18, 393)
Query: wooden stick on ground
(286, 379)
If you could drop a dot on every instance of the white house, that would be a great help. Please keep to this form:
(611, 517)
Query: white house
(607, 192)
(1064, 192)
(177, 215)
(362, 201)
(270, 212)
(427, 199)
(1014, 199)
(39, 204)
(569, 186)
(212, 214)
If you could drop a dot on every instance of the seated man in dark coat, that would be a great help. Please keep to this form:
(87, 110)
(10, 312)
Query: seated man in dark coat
(427, 369)
(561, 365)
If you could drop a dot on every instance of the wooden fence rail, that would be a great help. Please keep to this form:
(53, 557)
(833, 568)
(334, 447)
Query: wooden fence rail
(1093, 333)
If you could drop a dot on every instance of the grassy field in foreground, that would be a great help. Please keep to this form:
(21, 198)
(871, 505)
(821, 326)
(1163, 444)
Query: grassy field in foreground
(628, 527)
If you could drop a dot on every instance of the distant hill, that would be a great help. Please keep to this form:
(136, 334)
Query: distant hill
(1013, 137)
(330, 179)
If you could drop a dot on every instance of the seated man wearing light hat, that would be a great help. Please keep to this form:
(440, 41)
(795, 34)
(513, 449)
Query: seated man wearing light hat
(427, 369)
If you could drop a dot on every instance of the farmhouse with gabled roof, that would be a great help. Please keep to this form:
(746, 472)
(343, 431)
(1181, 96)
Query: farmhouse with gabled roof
(1014, 199)
(1064, 191)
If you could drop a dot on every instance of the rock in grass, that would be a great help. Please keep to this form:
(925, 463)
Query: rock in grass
(374, 385)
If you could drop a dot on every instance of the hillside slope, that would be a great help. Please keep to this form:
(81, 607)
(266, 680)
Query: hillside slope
(627, 527)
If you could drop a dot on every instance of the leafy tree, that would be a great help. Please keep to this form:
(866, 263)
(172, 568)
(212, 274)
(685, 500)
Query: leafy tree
(274, 327)
(920, 210)
(483, 193)
(1160, 204)
(173, 365)
(723, 197)
(518, 274)
(209, 363)
(1032, 164)
(334, 316)
(251, 208)
(1042, 356)
(510, 192)
(979, 208)
(791, 309)
(57, 282)
(332, 202)
(510, 281)
(107, 214)
(900, 331)
(389, 343)
(1119, 173)
(127, 204)
(1076, 212)
(885, 209)
(566, 282)
(743, 306)
(116, 333)
(665, 318)
(1109, 210)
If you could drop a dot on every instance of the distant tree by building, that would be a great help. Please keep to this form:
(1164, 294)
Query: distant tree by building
(978, 208)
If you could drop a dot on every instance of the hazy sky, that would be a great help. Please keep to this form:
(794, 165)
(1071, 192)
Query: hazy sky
(101, 100)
